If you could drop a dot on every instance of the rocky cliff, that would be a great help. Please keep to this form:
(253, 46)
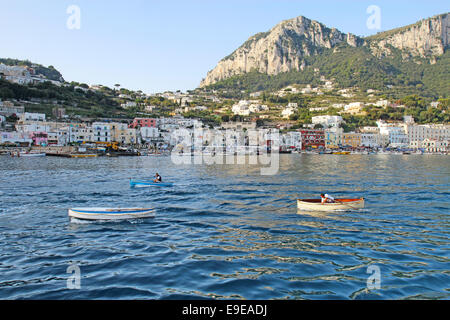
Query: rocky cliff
(285, 47)
(279, 50)
(426, 38)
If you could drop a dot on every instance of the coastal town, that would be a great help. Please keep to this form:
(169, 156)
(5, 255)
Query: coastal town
(244, 152)
(151, 128)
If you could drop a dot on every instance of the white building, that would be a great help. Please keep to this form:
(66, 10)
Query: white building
(149, 133)
(395, 133)
(128, 104)
(306, 90)
(238, 126)
(149, 108)
(286, 113)
(27, 116)
(382, 103)
(177, 122)
(63, 136)
(373, 140)
(200, 108)
(254, 108)
(368, 129)
(101, 132)
(292, 139)
(318, 109)
(434, 104)
(431, 145)
(59, 137)
(354, 108)
(7, 109)
(16, 74)
(417, 132)
(15, 137)
(327, 121)
(78, 133)
(241, 108)
(33, 127)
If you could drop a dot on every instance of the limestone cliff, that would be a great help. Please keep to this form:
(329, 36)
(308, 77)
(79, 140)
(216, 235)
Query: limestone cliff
(426, 38)
(279, 50)
(285, 46)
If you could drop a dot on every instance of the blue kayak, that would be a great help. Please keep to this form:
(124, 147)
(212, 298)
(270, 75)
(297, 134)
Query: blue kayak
(144, 183)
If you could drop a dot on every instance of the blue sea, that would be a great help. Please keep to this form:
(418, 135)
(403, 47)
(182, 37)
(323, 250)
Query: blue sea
(226, 231)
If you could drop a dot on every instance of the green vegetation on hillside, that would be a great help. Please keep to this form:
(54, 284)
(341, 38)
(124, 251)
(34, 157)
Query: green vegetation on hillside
(353, 67)
(86, 102)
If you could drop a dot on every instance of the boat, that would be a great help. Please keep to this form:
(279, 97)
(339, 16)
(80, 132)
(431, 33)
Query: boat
(110, 213)
(26, 154)
(83, 156)
(148, 183)
(342, 152)
(339, 204)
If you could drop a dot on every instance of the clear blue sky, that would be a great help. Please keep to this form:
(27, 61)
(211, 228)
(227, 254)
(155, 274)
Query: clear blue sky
(156, 45)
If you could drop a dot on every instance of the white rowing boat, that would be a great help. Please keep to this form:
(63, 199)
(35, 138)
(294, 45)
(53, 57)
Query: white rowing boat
(110, 213)
(23, 154)
(339, 204)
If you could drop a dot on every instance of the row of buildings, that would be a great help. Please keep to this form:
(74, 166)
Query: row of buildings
(406, 135)
(35, 129)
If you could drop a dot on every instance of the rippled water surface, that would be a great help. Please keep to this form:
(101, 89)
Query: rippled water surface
(226, 231)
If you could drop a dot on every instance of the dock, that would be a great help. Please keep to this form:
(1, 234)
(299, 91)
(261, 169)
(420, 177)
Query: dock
(68, 155)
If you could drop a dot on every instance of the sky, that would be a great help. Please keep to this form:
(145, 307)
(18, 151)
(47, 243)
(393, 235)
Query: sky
(156, 45)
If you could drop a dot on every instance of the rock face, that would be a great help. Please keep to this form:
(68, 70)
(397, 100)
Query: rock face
(426, 38)
(281, 49)
(285, 46)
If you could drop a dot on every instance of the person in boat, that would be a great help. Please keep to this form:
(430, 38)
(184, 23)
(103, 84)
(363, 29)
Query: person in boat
(157, 178)
(326, 198)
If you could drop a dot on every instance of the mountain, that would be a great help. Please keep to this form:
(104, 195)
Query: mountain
(298, 50)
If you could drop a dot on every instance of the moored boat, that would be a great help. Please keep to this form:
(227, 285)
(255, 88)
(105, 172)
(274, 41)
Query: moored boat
(342, 152)
(26, 154)
(110, 213)
(144, 184)
(83, 155)
(339, 204)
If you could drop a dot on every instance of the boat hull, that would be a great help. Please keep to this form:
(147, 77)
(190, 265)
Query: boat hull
(147, 184)
(26, 155)
(339, 205)
(110, 213)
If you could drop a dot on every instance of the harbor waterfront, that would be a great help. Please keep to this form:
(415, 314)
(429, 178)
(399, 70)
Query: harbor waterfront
(226, 231)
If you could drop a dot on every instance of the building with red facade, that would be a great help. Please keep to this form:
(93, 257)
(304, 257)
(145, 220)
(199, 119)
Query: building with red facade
(143, 122)
(312, 138)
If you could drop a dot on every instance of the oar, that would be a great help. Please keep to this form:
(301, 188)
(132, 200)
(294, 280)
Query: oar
(345, 204)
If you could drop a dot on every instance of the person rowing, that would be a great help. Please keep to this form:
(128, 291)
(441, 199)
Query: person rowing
(326, 198)
(158, 178)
